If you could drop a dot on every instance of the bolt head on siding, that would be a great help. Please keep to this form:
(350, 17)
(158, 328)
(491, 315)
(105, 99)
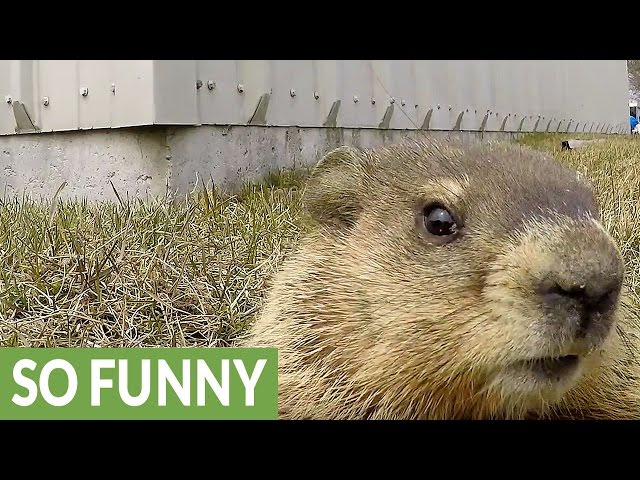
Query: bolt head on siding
(84, 91)
(316, 95)
(211, 84)
(45, 101)
(355, 99)
(199, 84)
(292, 92)
(240, 88)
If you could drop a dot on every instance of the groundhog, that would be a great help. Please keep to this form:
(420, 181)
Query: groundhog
(449, 281)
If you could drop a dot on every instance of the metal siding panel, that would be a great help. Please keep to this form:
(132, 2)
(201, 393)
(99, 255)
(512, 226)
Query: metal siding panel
(458, 96)
(174, 92)
(438, 80)
(592, 94)
(381, 91)
(518, 111)
(403, 89)
(355, 86)
(601, 85)
(504, 111)
(592, 84)
(590, 111)
(596, 97)
(546, 74)
(132, 103)
(565, 108)
(558, 90)
(570, 95)
(254, 76)
(495, 95)
(95, 109)
(619, 96)
(531, 94)
(532, 97)
(23, 86)
(537, 96)
(424, 91)
(552, 92)
(223, 103)
(7, 121)
(576, 95)
(576, 87)
(58, 81)
(325, 80)
(476, 86)
(14, 80)
(292, 92)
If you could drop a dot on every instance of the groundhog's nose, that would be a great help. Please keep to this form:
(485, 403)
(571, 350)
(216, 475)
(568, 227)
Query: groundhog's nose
(583, 286)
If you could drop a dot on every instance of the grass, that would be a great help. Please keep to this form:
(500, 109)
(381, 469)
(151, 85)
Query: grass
(165, 273)
(193, 272)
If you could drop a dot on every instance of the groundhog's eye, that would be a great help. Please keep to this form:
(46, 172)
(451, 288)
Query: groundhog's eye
(439, 221)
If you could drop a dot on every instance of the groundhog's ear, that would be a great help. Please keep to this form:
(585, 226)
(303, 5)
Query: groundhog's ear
(334, 187)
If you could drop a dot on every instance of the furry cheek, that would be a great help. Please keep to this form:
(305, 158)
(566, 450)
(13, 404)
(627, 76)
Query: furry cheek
(508, 290)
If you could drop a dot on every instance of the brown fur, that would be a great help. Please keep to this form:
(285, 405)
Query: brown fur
(374, 318)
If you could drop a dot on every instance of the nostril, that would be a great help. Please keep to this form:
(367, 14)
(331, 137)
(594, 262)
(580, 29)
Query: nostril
(598, 299)
(602, 300)
(554, 294)
(577, 292)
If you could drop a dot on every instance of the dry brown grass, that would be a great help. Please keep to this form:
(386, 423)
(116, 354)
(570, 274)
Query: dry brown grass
(193, 272)
(168, 273)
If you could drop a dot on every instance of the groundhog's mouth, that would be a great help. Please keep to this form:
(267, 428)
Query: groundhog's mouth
(545, 379)
(553, 369)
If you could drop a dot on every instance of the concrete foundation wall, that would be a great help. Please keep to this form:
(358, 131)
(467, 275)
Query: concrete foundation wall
(149, 161)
